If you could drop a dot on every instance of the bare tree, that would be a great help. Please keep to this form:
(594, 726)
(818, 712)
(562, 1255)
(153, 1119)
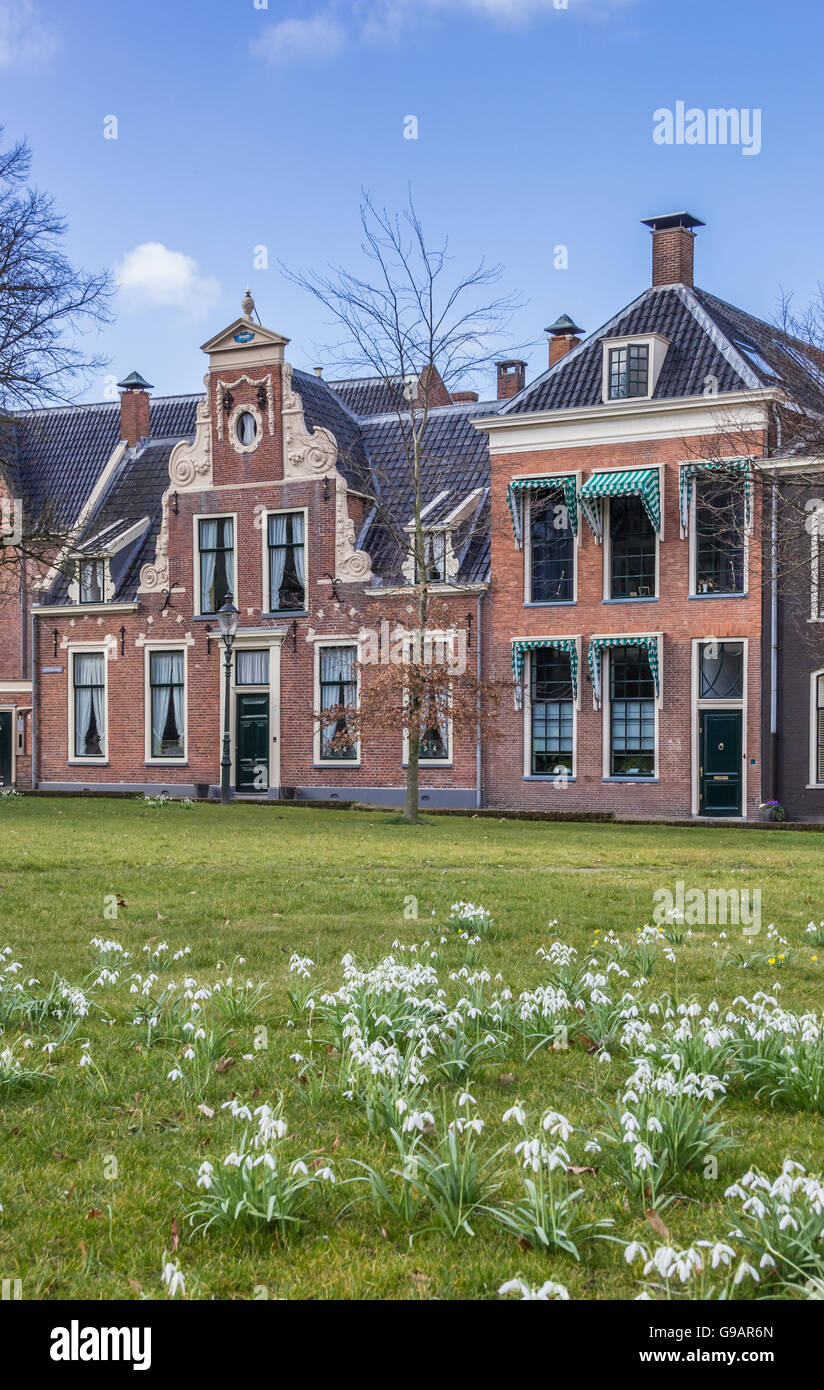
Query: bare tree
(422, 329)
(46, 303)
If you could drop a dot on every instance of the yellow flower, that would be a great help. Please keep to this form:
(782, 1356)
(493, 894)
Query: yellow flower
(814, 958)
(771, 960)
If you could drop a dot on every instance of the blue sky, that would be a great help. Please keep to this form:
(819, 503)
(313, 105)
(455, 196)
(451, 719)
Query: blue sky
(242, 125)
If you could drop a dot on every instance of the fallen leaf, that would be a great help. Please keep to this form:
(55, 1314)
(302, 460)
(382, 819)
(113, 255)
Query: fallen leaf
(384, 1233)
(578, 1171)
(92, 1213)
(506, 1078)
(225, 1064)
(83, 1248)
(524, 1244)
(175, 1233)
(135, 1286)
(657, 1224)
(206, 1111)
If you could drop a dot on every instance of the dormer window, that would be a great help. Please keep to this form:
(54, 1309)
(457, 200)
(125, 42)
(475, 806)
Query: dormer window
(434, 549)
(91, 580)
(628, 371)
(632, 366)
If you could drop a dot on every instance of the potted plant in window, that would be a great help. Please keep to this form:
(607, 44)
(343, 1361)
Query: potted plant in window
(772, 810)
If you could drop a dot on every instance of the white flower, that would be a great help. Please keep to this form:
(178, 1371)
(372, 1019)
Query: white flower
(516, 1113)
(173, 1279)
(204, 1175)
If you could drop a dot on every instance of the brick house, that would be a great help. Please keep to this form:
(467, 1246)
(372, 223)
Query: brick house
(262, 488)
(597, 532)
(626, 559)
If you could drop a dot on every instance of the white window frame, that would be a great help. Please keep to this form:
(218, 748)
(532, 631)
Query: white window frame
(441, 636)
(607, 549)
(255, 638)
(693, 556)
(164, 646)
(606, 723)
(698, 706)
(528, 774)
(657, 346)
(340, 641)
(526, 540)
(266, 596)
(814, 783)
(196, 520)
(88, 649)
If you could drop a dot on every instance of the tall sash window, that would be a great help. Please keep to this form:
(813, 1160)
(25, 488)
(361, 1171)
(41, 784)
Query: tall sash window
(89, 705)
(166, 682)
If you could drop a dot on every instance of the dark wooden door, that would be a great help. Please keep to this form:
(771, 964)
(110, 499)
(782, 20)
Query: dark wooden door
(252, 743)
(6, 735)
(720, 779)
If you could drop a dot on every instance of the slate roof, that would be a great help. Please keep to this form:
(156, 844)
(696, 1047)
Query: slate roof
(56, 456)
(707, 338)
(135, 491)
(455, 461)
(369, 395)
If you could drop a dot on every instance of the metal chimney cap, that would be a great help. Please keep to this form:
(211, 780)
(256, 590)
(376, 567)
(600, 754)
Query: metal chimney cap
(134, 382)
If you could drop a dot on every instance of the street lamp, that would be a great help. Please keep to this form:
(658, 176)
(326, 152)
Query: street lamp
(227, 617)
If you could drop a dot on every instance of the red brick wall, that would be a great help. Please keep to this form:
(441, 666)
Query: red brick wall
(381, 759)
(674, 614)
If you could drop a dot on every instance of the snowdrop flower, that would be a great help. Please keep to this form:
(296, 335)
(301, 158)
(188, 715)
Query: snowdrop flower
(204, 1175)
(548, 1292)
(175, 1074)
(557, 1124)
(417, 1120)
(516, 1113)
(173, 1279)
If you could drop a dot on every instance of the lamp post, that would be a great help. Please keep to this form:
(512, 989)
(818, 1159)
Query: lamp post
(227, 617)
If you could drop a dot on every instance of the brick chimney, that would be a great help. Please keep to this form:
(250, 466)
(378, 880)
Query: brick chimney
(134, 408)
(673, 248)
(511, 378)
(563, 337)
(463, 397)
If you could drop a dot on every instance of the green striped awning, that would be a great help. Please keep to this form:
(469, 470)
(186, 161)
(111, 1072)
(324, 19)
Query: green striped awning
(597, 645)
(631, 482)
(522, 645)
(515, 498)
(735, 468)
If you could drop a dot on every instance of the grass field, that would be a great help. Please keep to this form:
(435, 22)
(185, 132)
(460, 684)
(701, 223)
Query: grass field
(98, 1160)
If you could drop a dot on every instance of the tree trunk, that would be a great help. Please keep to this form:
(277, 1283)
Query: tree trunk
(413, 769)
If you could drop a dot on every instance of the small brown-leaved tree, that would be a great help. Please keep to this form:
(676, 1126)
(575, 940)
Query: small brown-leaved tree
(432, 662)
(422, 328)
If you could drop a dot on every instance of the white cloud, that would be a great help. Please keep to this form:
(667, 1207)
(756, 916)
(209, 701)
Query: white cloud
(24, 39)
(153, 276)
(326, 33)
(322, 36)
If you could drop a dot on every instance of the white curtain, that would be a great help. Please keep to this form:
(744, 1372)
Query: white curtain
(252, 668)
(167, 689)
(277, 558)
(88, 698)
(298, 537)
(338, 687)
(208, 541)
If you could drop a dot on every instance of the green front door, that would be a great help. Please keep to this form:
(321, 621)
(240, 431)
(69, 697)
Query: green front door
(253, 743)
(720, 767)
(5, 747)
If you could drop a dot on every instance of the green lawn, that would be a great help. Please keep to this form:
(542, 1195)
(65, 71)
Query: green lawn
(92, 1158)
